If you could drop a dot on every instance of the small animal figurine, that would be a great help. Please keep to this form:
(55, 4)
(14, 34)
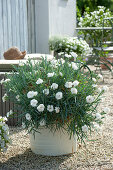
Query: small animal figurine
(14, 53)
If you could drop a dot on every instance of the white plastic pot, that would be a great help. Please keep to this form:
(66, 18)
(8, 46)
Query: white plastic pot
(47, 143)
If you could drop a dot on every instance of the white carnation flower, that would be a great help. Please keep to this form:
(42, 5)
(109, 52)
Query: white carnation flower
(28, 116)
(5, 118)
(18, 98)
(57, 109)
(59, 95)
(9, 113)
(54, 62)
(33, 102)
(105, 88)
(100, 77)
(61, 53)
(68, 84)
(75, 83)
(46, 91)
(98, 116)
(60, 74)
(94, 79)
(50, 108)
(74, 66)
(62, 61)
(99, 90)
(84, 128)
(31, 94)
(4, 97)
(41, 108)
(75, 47)
(54, 86)
(39, 81)
(60, 44)
(67, 56)
(107, 110)
(89, 99)
(50, 74)
(74, 55)
(42, 122)
(73, 90)
(69, 64)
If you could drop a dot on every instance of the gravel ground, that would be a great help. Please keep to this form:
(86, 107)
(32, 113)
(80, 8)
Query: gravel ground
(96, 155)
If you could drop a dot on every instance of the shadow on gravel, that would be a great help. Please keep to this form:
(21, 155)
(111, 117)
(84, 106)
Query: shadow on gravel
(31, 161)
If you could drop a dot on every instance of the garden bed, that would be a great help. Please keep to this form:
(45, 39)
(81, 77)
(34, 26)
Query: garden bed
(97, 154)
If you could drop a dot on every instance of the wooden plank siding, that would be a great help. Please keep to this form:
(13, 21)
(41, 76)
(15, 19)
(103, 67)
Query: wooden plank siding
(13, 25)
(31, 26)
(7, 106)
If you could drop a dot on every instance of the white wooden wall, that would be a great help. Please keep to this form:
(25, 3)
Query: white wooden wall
(13, 25)
(31, 26)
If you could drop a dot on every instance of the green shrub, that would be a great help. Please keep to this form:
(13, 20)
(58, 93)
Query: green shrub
(69, 46)
(95, 19)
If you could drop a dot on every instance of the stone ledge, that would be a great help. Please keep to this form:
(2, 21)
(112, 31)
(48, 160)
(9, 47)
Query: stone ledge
(6, 65)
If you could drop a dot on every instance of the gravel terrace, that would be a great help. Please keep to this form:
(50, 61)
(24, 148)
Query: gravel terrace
(96, 155)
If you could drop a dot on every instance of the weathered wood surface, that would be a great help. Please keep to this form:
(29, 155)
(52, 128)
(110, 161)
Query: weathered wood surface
(6, 106)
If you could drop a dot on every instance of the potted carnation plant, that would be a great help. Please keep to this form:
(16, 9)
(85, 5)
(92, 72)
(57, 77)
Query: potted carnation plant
(58, 101)
(69, 47)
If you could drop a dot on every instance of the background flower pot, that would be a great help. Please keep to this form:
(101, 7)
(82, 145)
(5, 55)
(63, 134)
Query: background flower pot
(47, 143)
(104, 60)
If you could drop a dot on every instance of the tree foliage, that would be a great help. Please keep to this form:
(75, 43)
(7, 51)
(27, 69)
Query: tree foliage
(92, 5)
